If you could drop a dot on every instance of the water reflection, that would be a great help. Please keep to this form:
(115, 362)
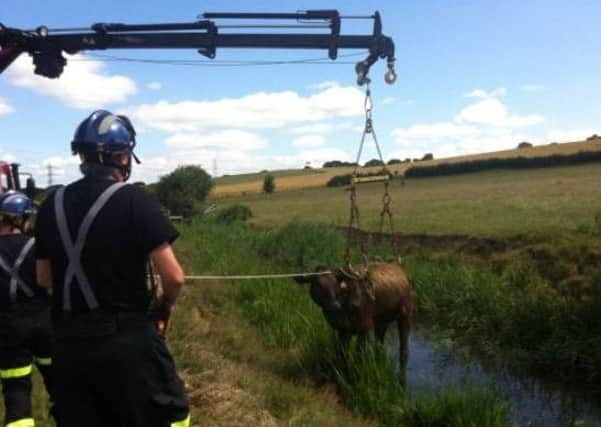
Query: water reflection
(534, 403)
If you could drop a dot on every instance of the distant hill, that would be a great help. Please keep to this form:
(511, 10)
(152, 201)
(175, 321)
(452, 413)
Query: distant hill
(237, 185)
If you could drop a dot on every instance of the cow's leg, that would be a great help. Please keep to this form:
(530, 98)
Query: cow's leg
(380, 330)
(404, 326)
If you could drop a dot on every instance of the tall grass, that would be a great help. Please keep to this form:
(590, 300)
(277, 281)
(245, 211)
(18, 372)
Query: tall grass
(288, 319)
(525, 321)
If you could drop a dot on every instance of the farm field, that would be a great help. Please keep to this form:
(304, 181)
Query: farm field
(495, 203)
(237, 185)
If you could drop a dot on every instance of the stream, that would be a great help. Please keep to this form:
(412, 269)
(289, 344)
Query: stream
(534, 401)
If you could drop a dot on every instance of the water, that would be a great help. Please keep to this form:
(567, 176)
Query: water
(534, 402)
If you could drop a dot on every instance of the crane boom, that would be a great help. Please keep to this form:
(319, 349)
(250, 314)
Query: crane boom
(46, 46)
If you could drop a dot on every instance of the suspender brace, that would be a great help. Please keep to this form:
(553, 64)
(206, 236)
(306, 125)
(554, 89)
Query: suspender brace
(74, 251)
(16, 282)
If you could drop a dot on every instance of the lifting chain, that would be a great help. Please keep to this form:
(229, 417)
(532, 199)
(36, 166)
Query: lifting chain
(386, 199)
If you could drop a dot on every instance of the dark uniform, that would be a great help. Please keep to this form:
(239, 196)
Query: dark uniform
(113, 367)
(25, 333)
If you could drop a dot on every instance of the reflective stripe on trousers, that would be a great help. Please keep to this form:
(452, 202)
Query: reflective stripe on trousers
(24, 422)
(182, 423)
(19, 372)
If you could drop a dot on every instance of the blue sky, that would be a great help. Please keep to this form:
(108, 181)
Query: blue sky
(473, 76)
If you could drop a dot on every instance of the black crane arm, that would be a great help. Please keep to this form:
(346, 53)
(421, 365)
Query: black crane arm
(47, 46)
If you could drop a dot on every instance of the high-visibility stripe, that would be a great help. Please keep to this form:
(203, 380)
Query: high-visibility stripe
(182, 423)
(15, 372)
(24, 422)
(43, 361)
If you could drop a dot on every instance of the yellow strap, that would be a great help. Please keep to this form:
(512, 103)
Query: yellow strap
(183, 423)
(16, 372)
(24, 422)
(43, 361)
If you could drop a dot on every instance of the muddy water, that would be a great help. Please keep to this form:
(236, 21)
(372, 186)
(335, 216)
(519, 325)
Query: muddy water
(534, 402)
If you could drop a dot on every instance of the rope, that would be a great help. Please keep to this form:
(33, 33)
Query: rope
(255, 276)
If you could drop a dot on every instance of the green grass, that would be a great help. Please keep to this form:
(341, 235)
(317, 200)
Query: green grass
(495, 203)
(289, 322)
(524, 322)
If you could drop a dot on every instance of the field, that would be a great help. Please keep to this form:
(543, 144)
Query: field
(495, 203)
(242, 185)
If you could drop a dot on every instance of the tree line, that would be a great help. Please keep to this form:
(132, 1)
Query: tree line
(470, 166)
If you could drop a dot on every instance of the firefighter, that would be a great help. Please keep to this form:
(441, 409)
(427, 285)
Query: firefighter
(25, 331)
(94, 238)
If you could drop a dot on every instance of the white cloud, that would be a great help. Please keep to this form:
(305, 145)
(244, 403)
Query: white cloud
(7, 156)
(491, 111)
(324, 85)
(532, 87)
(397, 101)
(84, 84)
(258, 110)
(479, 93)
(154, 85)
(486, 125)
(323, 128)
(308, 141)
(5, 107)
(571, 135)
(223, 139)
(64, 169)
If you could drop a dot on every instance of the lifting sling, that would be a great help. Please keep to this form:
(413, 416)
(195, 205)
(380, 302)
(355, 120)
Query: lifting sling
(74, 251)
(386, 212)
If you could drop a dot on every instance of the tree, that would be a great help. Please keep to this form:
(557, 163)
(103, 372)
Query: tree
(524, 145)
(428, 156)
(268, 184)
(374, 162)
(182, 190)
(394, 161)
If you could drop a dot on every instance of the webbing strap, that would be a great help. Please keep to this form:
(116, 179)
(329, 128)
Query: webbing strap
(74, 251)
(16, 282)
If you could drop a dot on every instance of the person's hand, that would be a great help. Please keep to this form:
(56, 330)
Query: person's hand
(161, 315)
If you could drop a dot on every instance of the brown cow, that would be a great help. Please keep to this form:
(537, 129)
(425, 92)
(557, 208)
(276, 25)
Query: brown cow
(355, 300)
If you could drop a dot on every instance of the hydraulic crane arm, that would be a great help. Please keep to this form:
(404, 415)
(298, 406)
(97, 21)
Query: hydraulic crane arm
(46, 46)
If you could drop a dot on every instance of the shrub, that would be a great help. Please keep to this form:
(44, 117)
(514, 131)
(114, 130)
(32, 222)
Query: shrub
(443, 169)
(338, 164)
(182, 190)
(428, 156)
(339, 180)
(593, 137)
(524, 145)
(394, 161)
(268, 184)
(234, 213)
(374, 162)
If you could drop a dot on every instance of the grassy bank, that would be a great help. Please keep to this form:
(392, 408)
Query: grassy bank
(523, 322)
(291, 326)
(536, 307)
